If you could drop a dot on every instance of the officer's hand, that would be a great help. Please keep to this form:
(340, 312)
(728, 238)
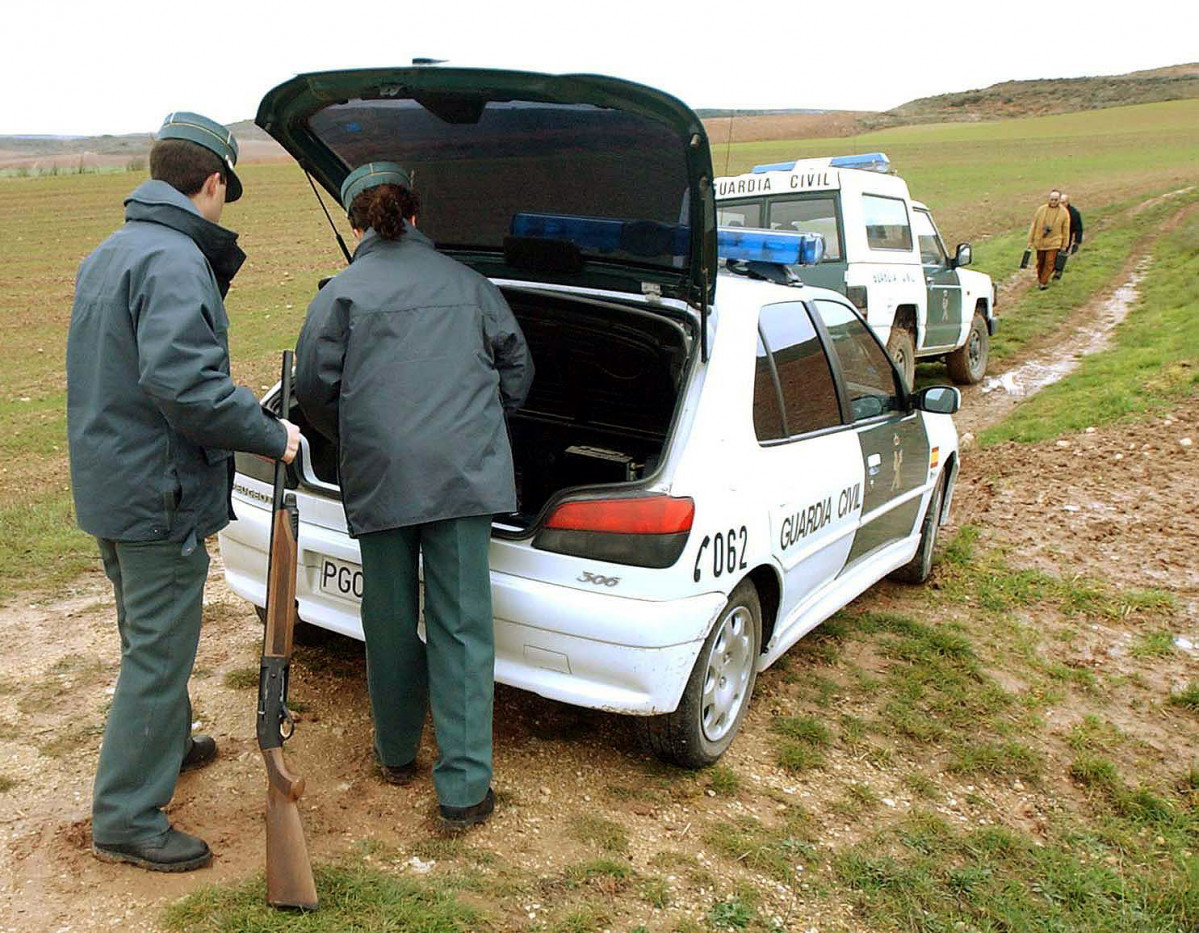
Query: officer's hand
(293, 441)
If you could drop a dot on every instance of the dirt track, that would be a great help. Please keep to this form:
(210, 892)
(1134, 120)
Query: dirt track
(1102, 504)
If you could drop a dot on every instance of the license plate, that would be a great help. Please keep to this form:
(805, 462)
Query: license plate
(340, 578)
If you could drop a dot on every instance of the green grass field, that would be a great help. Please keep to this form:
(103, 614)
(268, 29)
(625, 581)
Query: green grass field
(985, 178)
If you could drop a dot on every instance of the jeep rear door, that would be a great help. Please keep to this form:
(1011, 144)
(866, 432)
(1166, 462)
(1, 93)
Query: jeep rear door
(944, 326)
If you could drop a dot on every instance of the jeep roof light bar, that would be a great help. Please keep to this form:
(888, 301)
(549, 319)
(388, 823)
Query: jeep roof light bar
(744, 244)
(866, 162)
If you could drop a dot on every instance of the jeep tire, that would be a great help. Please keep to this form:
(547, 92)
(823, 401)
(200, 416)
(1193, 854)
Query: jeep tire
(968, 363)
(902, 349)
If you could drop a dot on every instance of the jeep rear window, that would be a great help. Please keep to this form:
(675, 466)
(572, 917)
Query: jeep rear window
(887, 225)
(810, 215)
(748, 214)
(475, 171)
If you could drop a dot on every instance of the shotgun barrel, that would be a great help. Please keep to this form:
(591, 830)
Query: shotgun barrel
(289, 881)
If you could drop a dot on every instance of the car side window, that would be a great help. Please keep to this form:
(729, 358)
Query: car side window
(887, 225)
(794, 392)
(932, 253)
(866, 369)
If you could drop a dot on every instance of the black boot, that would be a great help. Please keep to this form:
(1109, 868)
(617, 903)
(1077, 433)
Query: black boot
(201, 750)
(400, 774)
(176, 851)
(459, 818)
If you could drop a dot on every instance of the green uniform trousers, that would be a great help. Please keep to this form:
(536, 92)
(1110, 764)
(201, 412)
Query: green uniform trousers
(159, 592)
(455, 672)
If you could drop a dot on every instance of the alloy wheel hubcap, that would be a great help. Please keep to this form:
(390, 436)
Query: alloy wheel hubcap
(726, 676)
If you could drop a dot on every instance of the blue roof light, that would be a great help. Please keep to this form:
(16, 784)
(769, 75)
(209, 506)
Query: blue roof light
(866, 162)
(645, 238)
(789, 249)
(774, 167)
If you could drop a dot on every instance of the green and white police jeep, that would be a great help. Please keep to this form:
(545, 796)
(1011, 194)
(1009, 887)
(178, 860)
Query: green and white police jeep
(882, 251)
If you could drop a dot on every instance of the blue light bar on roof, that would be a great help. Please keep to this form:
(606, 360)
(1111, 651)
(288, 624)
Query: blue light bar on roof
(774, 167)
(749, 245)
(644, 238)
(866, 162)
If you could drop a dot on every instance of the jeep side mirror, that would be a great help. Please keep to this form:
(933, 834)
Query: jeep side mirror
(965, 255)
(939, 400)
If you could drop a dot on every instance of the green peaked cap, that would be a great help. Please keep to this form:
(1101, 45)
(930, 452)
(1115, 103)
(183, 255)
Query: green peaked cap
(212, 136)
(369, 175)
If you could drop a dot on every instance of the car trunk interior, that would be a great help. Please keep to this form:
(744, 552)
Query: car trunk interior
(608, 378)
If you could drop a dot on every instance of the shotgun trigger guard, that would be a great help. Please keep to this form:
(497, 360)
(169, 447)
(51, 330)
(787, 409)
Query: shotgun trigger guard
(287, 724)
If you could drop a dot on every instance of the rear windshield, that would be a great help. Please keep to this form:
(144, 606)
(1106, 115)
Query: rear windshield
(477, 169)
(747, 214)
(810, 215)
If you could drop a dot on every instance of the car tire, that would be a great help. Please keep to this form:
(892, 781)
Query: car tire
(902, 349)
(920, 567)
(718, 691)
(968, 363)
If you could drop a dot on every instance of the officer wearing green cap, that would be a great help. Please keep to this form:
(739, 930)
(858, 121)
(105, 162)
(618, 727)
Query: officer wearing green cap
(152, 419)
(408, 360)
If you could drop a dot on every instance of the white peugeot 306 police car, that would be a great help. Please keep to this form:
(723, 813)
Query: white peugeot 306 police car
(883, 252)
(707, 466)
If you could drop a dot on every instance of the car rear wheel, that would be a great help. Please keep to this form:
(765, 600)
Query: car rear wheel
(968, 363)
(718, 691)
(902, 349)
(920, 567)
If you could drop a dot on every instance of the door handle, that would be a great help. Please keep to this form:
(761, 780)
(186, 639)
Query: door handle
(874, 463)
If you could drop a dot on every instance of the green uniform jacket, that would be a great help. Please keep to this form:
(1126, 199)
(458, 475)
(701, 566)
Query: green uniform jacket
(408, 360)
(1054, 219)
(152, 413)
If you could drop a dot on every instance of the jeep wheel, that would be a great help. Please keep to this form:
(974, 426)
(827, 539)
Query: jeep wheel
(920, 567)
(968, 363)
(902, 348)
(717, 693)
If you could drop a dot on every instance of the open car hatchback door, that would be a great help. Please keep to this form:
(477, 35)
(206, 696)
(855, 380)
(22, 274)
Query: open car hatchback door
(578, 180)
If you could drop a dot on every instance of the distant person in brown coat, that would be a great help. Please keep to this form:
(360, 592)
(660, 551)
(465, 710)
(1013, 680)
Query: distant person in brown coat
(1075, 223)
(1048, 235)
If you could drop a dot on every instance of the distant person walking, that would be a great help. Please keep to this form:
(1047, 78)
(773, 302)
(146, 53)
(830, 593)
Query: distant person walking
(1075, 223)
(1049, 235)
(152, 419)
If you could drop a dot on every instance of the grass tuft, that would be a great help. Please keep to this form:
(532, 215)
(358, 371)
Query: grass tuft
(603, 833)
(353, 898)
(242, 678)
(1187, 698)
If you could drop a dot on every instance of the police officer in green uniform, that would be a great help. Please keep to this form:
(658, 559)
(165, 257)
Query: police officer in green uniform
(152, 419)
(408, 360)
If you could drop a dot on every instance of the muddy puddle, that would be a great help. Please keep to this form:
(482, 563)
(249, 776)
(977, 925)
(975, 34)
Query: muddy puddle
(997, 395)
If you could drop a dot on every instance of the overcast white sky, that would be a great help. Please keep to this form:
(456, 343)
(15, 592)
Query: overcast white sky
(120, 67)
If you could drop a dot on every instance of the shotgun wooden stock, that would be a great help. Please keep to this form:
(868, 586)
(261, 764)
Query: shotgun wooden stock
(289, 880)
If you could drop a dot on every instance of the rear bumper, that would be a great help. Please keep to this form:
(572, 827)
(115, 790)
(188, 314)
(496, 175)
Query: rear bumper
(589, 649)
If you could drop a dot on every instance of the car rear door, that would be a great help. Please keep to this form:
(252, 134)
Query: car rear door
(893, 443)
(807, 473)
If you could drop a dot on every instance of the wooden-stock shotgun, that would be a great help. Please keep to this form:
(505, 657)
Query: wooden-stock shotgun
(288, 872)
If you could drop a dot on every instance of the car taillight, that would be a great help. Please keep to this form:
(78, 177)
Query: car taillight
(857, 296)
(644, 531)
